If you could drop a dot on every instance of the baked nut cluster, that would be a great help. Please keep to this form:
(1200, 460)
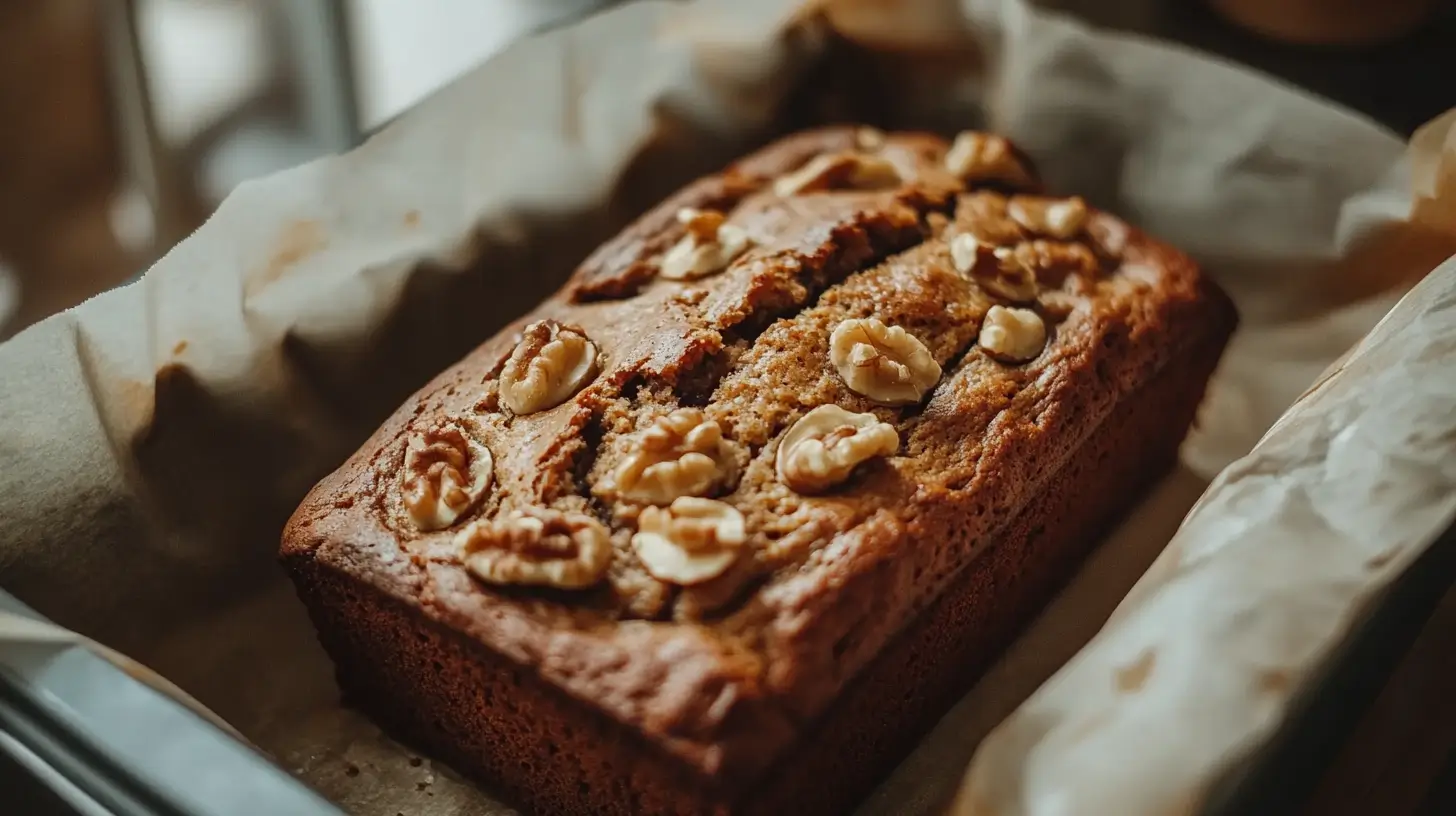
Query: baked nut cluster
(1017, 249)
(708, 248)
(550, 364)
(690, 541)
(885, 363)
(827, 444)
(445, 474)
(537, 547)
(680, 454)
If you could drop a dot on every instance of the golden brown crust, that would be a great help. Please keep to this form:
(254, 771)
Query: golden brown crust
(559, 755)
(725, 674)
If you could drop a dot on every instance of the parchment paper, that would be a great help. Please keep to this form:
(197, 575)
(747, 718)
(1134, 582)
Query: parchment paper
(153, 440)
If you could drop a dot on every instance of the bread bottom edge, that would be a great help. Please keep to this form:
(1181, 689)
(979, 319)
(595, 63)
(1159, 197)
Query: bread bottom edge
(495, 721)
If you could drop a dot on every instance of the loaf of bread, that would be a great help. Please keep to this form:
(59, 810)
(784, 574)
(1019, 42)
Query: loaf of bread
(729, 520)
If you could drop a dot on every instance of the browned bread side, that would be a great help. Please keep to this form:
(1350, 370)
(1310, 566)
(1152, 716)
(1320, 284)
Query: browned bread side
(727, 673)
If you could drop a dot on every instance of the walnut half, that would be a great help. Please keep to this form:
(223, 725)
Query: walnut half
(537, 547)
(681, 454)
(826, 445)
(708, 248)
(1012, 335)
(885, 363)
(446, 472)
(691, 541)
(550, 364)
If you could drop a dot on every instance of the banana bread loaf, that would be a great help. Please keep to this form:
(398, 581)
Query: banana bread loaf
(728, 521)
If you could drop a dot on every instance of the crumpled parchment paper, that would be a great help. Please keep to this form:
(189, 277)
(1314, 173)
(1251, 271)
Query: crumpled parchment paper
(154, 439)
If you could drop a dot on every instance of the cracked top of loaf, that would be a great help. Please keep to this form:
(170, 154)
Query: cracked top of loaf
(759, 430)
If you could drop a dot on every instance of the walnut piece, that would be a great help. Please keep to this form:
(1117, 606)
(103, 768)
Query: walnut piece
(1109, 238)
(708, 248)
(1011, 278)
(446, 473)
(681, 454)
(1012, 335)
(998, 270)
(537, 547)
(827, 444)
(885, 363)
(691, 541)
(983, 214)
(830, 171)
(550, 364)
(1061, 218)
(975, 157)
(972, 256)
(1052, 261)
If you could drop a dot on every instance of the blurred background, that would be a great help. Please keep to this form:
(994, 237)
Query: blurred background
(124, 122)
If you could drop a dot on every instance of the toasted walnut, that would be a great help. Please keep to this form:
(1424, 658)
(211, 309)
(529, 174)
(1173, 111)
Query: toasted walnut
(681, 454)
(1052, 261)
(998, 270)
(839, 170)
(708, 248)
(972, 256)
(975, 156)
(690, 541)
(445, 474)
(1061, 218)
(885, 363)
(551, 363)
(1012, 335)
(868, 138)
(826, 445)
(537, 547)
(1011, 278)
(983, 215)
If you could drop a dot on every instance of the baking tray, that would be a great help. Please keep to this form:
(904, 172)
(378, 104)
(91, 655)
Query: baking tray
(80, 735)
